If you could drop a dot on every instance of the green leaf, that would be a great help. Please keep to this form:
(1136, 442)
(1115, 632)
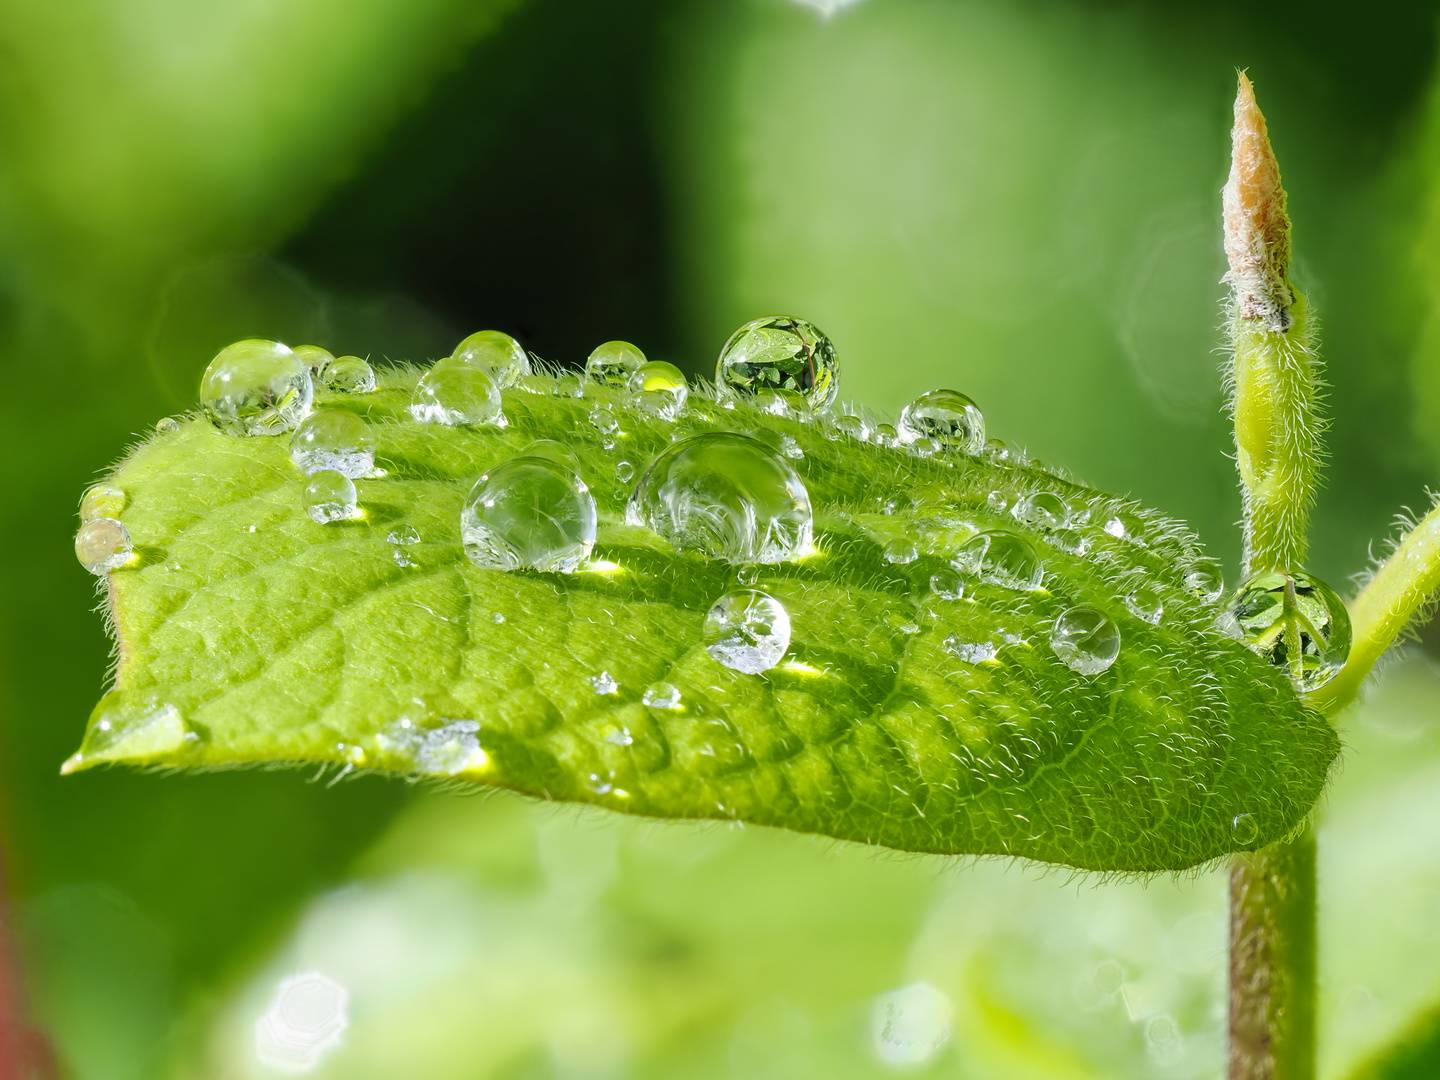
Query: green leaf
(249, 634)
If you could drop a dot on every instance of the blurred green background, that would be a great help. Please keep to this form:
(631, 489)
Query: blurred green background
(1019, 200)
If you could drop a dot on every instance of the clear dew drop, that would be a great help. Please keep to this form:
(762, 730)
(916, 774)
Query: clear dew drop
(1086, 639)
(624, 471)
(663, 695)
(166, 425)
(1003, 559)
(497, 354)
(851, 425)
(972, 652)
(899, 551)
(947, 416)
(604, 683)
(886, 435)
(315, 358)
(402, 558)
(1144, 603)
(101, 501)
(453, 393)
(780, 353)
(447, 750)
(1205, 580)
(568, 386)
(1070, 541)
(612, 363)
(747, 630)
(330, 496)
(404, 534)
(529, 513)
(256, 387)
(1244, 830)
(349, 375)
(947, 584)
(102, 545)
(659, 389)
(603, 420)
(1042, 510)
(925, 446)
(727, 495)
(779, 402)
(333, 439)
(1296, 622)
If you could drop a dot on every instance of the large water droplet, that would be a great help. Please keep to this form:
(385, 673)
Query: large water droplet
(330, 496)
(947, 416)
(747, 630)
(498, 355)
(453, 393)
(256, 387)
(612, 363)
(333, 439)
(1086, 639)
(1042, 510)
(727, 495)
(102, 545)
(659, 389)
(349, 375)
(101, 500)
(315, 358)
(529, 512)
(1001, 558)
(780, 353)
(1294, 621)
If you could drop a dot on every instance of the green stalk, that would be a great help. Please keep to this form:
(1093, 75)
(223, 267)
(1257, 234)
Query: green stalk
(1277, 444)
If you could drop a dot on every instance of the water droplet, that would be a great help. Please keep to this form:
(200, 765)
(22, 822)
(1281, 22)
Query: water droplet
(946, 415)
(498, 355)
(315, 358)
(333, 439)
(1043, 510)
(972, 652)
(886, 435)
(778, 402)
(1003, 559)
(349, 375)
(1296, 622)
(603, 420)
(402, 558)
(727, 495)
(851, 425)
(330, 496)
(1205, 580)
(569, 386)
(925, 446)
(790, 448)
(618, 736)
(446, 750)
(256, 387)
(529, 512)
(102, 545)
(166, 425)
(900, 551)
(747, 631)
(404, 534)
(1243, 830)
(1145, 603)
(497, 618)
(747, 574)
(598, 784)
(1086, 639)
(1124, 525)
(454, 393)
(910, 1026)
(612, 363)
(101, 501)
(1070, 541)
(947, 584)
(663, 695)
(604, 683)
(659, 389)
(624, 471)
(780, 352)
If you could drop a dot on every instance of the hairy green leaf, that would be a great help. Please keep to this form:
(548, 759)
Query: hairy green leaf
(249, 634)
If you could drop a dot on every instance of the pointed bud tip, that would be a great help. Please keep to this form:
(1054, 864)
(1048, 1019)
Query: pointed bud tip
(1257, 228)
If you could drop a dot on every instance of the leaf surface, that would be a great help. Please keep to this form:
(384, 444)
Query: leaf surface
(249, 634)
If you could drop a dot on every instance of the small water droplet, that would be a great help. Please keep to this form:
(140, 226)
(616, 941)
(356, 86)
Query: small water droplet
(910, 1026)
(101, 501)
(790, 448)
(603, 420)
(102, 545)
(663, 695)
(728, 495)
(1205, 580)
(886, 435)
(256, 387)
(659, 389)
(624, 471)
(1244, 830)
(598, 784)
(1086, 639)
(568, 386)
(972, 652)
(779, 352)
(446, 750)
(946, 415)
(1070, 541)
(612, 363)
(1124, 525)
(604, 683)
(333, 439)
(747, 631)
(925, 446)
(618, 736)
(529, 512)
(748, 574)
(330, 496)
(315, 358)
(498, 355)
(1145, 603)
(1043, 510)
(349, 375)
(166, 425)
(497, 618)
(402, 558)
(900, 551)
(453, 393)
(996, 501)
(851, 425)
(1296, 622)
(404, 534)
(947, 584)
(1003, 559)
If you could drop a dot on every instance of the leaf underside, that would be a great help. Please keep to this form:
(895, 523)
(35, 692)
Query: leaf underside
(249, 634)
